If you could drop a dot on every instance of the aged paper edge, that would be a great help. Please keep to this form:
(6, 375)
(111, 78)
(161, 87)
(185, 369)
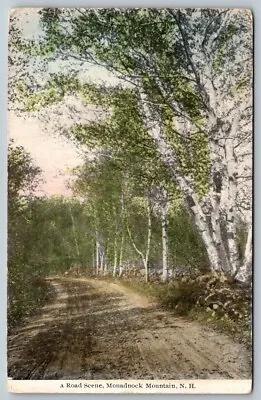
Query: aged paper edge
(196, 386)
(16, 10)
(216, 386)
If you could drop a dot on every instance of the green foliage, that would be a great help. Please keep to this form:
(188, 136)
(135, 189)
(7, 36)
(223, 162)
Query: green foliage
(182, 298)
(41, 239)
(242, 231)
(32, 48)
(22, 179)
(200, 162)
(134, 42)
(151, 48)
(104, 183)
(22, 173)
(154, 46)
(240, 86)
(25, 302)
(52, 92)
(183, 235)
(224, 47)
(142, 41)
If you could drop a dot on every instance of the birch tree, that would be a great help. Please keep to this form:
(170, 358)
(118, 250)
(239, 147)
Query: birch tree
(99, 184)
(133, 150)
(161, 207)
(191, 73)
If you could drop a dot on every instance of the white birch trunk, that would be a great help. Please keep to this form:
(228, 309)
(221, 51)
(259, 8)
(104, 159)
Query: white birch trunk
(93, 261)
(148, 240)
(121, 250)
(116, 262)
(222, 250)
(105, 267)
(231, 204)
(97, 253)
(169, 158)
(115, 257)
(144, 256)
(101, 259)
(205, 233)
(217, 183)
(164, 244)
(74, 234)
(121, 254)
(160, 200)
(245, 271)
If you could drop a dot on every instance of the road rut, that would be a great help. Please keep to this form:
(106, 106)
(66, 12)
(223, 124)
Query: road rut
(96, 329)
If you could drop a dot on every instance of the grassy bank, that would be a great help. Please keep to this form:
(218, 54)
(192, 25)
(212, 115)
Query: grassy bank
(224, 306)
(26, 299)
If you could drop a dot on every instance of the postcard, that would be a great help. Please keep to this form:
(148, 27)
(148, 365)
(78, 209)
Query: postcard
(130, 136)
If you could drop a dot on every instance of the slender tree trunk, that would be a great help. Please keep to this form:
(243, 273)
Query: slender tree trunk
(164, 246)
(121, 249)
(148, 239)
(101, 260)
(222, 250)
(105, 267)
(217, 183)
(97, 253)
(121, 255)
(144, 257)
(206, 236)
(93, 261)
(115, 257)
(231, 203)
(245, 271)
(220, 256)
(74, 234)
(122, 231)
(169, 158)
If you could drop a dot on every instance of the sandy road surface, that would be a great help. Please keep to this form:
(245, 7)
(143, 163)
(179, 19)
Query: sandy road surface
(99, 330)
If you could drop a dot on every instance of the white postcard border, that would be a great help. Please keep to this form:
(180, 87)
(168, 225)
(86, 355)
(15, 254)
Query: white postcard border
(198, 386)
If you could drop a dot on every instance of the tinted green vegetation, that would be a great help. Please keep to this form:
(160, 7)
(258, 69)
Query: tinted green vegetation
(51, 235)
(162, 198)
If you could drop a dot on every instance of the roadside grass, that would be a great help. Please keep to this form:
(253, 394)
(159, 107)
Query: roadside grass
(28, 302)
(184, 299)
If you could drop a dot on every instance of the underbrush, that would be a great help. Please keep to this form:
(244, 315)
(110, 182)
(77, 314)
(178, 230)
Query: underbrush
(26, 299)
(212, 300)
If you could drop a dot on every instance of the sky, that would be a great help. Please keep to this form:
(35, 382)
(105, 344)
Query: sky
(50, 151)
(52, 155)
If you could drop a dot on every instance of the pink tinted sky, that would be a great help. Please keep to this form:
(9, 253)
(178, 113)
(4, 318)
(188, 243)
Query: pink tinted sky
(52, 154)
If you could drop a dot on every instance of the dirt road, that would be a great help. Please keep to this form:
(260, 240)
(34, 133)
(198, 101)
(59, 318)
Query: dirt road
(100, 330)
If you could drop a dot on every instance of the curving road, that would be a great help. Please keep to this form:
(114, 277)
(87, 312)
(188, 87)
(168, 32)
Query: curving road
(99, 330)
